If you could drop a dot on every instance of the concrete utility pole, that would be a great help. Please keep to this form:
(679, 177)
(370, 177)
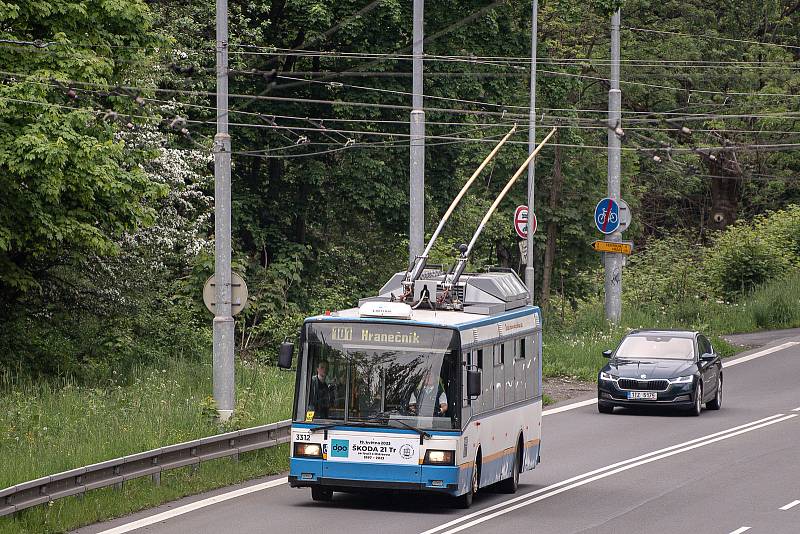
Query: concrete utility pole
(613, 282)
(223, 366)
(416, 230)
(529, 272)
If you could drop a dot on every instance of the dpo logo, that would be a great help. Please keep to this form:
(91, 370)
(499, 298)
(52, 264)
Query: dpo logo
(340, 448)
(406, 452)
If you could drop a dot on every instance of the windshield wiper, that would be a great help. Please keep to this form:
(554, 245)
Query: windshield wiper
(386, 416)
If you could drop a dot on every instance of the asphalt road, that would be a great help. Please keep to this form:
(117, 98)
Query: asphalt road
(632, 472)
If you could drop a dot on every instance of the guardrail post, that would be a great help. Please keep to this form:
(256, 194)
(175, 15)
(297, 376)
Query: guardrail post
(193, 452)
(232, 444)
(156, 477)
(118, 485)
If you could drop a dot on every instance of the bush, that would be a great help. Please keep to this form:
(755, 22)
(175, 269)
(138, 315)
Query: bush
(777, 304)
(667, 271)
(742, 259)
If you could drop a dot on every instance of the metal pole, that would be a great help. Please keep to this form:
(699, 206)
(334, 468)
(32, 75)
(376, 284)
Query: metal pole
(529, 272)
(223, 366)
(613, 262)
(417, 186)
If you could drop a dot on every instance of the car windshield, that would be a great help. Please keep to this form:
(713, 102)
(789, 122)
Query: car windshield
(656, 347)
(367, 372)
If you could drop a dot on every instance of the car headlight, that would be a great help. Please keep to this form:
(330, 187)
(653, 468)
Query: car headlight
(307, 450)
(681, 379)
(433, 457)
(606, 376)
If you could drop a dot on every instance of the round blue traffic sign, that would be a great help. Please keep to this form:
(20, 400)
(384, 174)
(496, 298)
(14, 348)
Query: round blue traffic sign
(606, 216)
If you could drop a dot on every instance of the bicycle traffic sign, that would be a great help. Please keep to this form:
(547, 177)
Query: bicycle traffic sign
(607, 216)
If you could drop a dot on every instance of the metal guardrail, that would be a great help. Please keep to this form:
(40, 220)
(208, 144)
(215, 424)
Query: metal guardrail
(150, 463)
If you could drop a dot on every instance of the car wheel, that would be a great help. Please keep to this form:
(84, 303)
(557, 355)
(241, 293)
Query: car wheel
(321, 494)
(511, 484)
(602, 407)
(716, 403)
(697, 407)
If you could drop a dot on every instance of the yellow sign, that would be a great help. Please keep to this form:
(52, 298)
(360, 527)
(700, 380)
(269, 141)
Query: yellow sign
(309, 416)
(616, 248)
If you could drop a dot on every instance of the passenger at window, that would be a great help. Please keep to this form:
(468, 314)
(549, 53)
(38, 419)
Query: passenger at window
(429, 398)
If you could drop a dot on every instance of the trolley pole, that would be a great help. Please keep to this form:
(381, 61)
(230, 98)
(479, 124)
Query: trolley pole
(223, 364)
(613, 262)
(416, 232)
(529, 271)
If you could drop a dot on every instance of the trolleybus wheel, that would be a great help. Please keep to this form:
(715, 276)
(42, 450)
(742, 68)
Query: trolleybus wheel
(320, 494)
(511, 484)
(465, 501)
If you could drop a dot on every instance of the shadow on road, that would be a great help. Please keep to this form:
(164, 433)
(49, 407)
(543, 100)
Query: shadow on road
(405, 502)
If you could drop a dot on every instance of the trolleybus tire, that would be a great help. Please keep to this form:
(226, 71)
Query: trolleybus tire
(511, 484)
(321, 494)
(465, 501)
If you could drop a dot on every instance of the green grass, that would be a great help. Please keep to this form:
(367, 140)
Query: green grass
(66, 514)
(46, 428)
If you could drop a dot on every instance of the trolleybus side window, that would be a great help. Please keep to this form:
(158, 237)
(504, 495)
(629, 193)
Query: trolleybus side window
(487, 398)
(508, 375)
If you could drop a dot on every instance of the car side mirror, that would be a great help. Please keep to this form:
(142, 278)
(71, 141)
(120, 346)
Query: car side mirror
(707, 357)
(285, 355)
(607, 353)
(473, 383)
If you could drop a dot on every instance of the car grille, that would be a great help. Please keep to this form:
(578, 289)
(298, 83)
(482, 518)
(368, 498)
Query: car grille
(643, 385)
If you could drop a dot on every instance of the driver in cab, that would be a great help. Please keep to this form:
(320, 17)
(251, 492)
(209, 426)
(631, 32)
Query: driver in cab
(322, 394)
(429, 398)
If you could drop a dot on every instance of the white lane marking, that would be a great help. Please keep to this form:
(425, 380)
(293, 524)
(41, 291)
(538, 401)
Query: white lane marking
(572, 406)
(726, 363)
(759, 354)
(163, 516)
(605, 474)
(790, 505)
(596, 471)
(740, 530)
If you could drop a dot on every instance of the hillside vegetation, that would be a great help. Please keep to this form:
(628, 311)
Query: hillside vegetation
(106, 194)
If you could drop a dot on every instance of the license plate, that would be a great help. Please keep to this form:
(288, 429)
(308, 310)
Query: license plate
(642, 395)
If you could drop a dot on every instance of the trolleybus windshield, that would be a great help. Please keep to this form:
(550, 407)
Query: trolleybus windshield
(367, 372)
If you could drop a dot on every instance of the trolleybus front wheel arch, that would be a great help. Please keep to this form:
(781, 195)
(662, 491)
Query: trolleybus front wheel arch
(511, 484)
(465, 501)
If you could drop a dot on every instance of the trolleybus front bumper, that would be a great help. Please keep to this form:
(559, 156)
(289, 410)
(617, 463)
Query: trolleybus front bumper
(346, 476)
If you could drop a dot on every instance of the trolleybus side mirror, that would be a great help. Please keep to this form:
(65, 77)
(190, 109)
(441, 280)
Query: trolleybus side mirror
(285, 355)
(473, 383)
(607, 353)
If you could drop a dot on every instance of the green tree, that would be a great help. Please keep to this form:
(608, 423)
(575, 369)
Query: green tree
(69, 186)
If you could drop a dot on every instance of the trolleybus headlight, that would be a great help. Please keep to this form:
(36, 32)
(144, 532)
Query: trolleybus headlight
(433, 457)
(308, 450)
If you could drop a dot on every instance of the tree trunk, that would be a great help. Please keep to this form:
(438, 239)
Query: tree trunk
(725, 189)
(552, 227)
